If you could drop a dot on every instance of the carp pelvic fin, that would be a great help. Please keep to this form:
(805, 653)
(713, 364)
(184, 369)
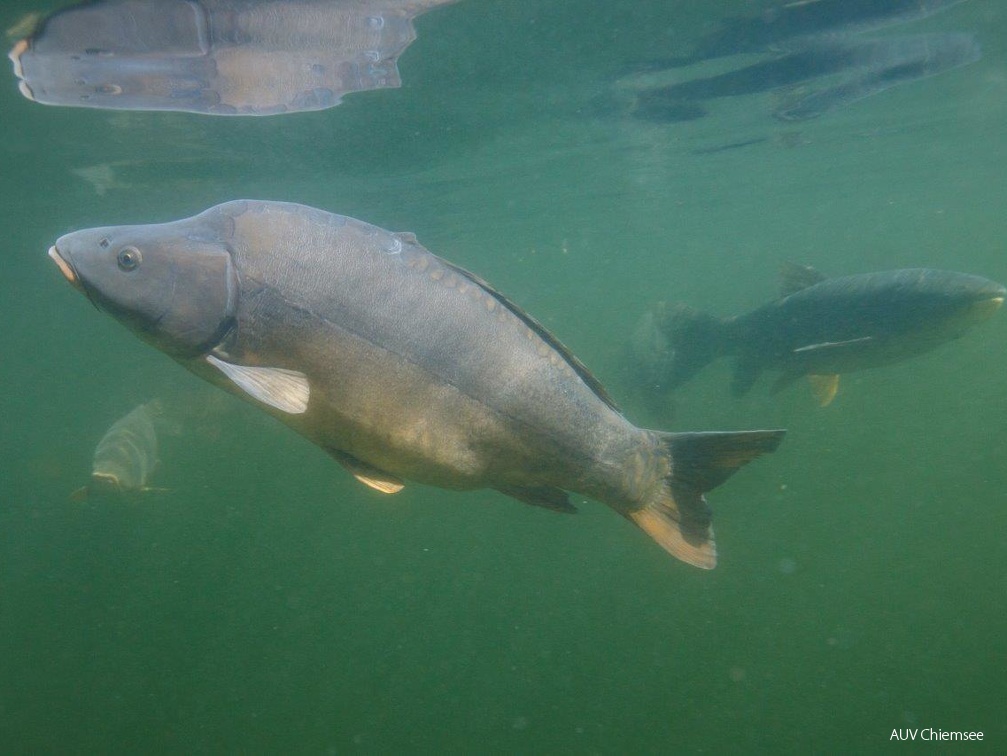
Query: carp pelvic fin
(824, 387)
(377, 479)
(285, 390)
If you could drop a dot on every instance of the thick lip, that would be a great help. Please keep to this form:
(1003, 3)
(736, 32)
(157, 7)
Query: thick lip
(984, 308)
(15, 57)
(65, 268)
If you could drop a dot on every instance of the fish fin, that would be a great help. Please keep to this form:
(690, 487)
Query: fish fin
(154, 489)
(696, 339)
(407, 236)
(794, 277)
(547, 497)
(746, 373)
(286, 390)
(832, 347)
(80, 494)
(824, 387)
(371, 476)
(543, 333)
(678, 517)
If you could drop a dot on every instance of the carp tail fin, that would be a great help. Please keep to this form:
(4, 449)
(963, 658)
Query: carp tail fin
(679, 518)
(696, 339)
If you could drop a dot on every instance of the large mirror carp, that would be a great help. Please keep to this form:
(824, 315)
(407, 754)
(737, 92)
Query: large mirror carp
(401, 365)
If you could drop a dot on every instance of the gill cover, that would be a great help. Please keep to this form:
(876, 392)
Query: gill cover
(174, 284)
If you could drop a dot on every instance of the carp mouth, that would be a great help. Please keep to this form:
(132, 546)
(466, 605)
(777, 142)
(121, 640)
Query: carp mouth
(66, 268)
(15, 58)
(985, 308)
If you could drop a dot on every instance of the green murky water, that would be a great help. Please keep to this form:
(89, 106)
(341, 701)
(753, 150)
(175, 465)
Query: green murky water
(269, 604)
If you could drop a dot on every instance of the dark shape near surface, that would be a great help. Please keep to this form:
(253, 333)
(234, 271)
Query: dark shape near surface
(820, 76)
(809, 53)
(822, 328)
(403, 366)
(221, 57)
(793, 24)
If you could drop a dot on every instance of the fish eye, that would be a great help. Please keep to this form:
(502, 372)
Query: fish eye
(128, 258)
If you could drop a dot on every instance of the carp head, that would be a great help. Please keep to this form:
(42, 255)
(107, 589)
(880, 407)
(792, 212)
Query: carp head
(173, 284)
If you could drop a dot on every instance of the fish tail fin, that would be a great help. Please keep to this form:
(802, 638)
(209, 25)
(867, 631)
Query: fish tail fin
(678, 517)
(697, 339)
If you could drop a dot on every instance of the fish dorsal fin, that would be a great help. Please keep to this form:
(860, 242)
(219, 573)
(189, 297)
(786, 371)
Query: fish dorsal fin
(824, 387)
(794, 277)
(540, 330)
(371, 476)
(285, 390)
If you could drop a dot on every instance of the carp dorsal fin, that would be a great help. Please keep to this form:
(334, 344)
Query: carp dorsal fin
(576, 365)
(407, 236)
(547, 497)
(367, 474)
(286, 390)
(824, 387)
(794, 277)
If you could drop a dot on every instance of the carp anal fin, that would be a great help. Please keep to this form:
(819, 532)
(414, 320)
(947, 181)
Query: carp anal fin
(547, 497)
(824, 387)
(794, 278)
(377, 479)
(285, 390)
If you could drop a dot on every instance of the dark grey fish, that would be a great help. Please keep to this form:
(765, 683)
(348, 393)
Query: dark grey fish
(126, 456)
(399, 364)
(822, 327)
(893, 61)
(792, 23)
(851, 69)
(222, 57)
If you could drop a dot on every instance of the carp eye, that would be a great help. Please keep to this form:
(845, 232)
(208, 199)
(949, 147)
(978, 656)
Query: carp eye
(128, 258)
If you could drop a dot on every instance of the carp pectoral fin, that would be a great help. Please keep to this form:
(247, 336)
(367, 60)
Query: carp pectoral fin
(286, 390)
(832, 348)
(80, 494)
(377, 479)
(824, 387)
(547, 497)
